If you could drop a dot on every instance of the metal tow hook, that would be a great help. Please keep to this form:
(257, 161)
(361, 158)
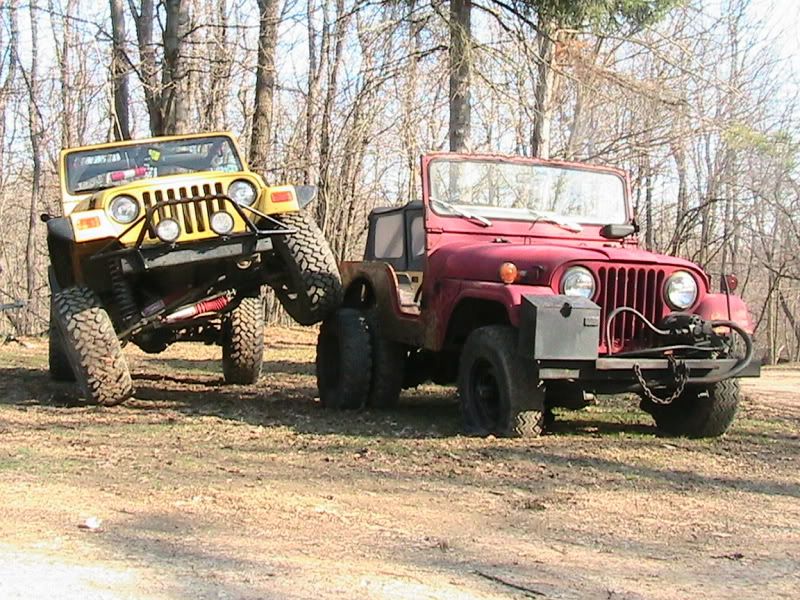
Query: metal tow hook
(679, 371)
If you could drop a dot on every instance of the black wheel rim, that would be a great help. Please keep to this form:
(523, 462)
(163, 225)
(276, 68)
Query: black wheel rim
(484, 389)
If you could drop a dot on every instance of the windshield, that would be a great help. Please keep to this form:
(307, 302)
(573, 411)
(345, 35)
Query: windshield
(94, 170)
(526, 191)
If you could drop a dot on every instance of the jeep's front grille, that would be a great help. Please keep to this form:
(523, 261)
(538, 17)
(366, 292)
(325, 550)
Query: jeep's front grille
(637, 287)
(192, 216)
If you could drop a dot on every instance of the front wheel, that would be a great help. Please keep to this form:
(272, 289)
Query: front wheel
(58, 361)
(313, 287)
(91, 345)
(499, 391)
(243, 341)
(699, 412)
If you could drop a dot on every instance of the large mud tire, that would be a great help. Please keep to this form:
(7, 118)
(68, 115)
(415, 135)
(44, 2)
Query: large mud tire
(91, 345)
(314, 287)
(243, 341)
(344, 360)
(498, 390)
(699, 412)
(388, 366)
(58, 362)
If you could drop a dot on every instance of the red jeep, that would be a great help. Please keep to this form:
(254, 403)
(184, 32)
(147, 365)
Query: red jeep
(522, 281)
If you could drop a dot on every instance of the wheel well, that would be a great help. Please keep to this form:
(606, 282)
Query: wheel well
(470, 314)
(359, 294)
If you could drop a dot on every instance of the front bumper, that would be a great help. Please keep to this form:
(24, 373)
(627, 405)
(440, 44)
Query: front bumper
(655, 370)
(139, 260)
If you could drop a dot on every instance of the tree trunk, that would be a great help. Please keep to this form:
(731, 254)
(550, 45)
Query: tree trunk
(119, 73)
(461, 58)
(148, 69)
(36, 133)
(544, 91)
(265, 83)
(174, 75)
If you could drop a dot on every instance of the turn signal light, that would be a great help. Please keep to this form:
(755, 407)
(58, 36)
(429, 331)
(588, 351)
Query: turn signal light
(509, 272)
(88, 223)
(729, 283)
(282, 196)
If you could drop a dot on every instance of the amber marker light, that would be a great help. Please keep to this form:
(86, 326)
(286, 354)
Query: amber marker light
(282, 196)
(509, 272)
(88, 223)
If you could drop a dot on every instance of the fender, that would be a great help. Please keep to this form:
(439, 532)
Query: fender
(715, 307)
(60, 243)
(453, 292)
(380, 281)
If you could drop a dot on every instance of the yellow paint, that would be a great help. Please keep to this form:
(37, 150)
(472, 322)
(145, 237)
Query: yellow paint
(96, 205)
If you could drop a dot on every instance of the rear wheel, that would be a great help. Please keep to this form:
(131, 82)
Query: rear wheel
(344, 360)
(313, 289)
(699, 412)
(498, 389)
(91, 345)
(388, 366)
(243, 341)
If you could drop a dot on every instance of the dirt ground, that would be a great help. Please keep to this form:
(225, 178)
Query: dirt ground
(205, 491)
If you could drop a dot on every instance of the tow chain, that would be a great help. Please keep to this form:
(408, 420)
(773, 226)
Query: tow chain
(679, 370)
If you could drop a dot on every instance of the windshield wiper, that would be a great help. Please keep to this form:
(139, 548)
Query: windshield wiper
(555, 218)
(463, 213)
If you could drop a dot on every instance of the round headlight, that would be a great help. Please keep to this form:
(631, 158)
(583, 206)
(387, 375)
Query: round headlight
(579, 282)
(242, 192)
(221, 223)
(680, 290)
(124, 209)
(168, 230)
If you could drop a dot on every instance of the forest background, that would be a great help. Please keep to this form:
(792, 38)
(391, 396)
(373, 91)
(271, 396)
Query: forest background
(696, 100)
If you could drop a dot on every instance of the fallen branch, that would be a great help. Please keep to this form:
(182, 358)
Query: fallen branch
(530, 591)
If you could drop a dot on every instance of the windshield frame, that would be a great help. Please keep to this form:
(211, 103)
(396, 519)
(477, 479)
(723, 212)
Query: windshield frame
(429, 159)
(71, 190)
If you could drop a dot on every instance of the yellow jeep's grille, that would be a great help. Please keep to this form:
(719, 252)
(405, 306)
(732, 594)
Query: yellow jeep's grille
(193, 217)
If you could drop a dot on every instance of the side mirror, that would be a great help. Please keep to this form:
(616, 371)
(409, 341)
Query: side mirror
(305, 194)
(614, 231)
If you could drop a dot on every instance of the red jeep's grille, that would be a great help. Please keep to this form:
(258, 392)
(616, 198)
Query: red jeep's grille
(636, 287)
(193, 216)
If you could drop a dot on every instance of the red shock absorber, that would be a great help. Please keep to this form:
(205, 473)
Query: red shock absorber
(202, 307)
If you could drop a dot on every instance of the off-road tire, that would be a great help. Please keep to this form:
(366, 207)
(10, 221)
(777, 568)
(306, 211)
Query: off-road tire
(58, 362)
(498, 390)
(314, 286)
(344, 360)
(243, 341)
(93, 350)
(388, 366)
(700, 412)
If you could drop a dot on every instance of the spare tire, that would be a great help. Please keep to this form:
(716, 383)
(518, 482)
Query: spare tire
(344, 361)
(313, 287)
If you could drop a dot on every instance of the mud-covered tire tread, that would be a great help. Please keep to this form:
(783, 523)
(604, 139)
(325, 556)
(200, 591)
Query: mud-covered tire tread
(522, 412)
(243, 341)
(94, 352)
(312, 268)
(57, 360)
(344, 360)
(388, 366)
(697, 415)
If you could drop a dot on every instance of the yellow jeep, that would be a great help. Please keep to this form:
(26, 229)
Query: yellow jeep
(173, 239)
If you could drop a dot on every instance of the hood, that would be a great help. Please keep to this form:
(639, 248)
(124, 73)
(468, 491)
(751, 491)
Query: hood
(481, 261)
